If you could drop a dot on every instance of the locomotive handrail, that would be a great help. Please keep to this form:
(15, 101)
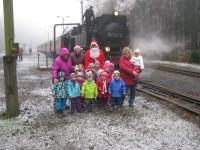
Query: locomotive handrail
(54, 34)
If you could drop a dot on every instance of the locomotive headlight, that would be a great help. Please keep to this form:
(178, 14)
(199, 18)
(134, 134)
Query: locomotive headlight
(116, 13)
(107, 49)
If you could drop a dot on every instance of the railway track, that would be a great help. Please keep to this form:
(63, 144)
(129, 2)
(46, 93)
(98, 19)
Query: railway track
(178, 70)
(188, 102)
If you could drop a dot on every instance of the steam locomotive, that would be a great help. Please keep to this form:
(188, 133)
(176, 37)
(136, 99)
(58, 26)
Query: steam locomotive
(109, 30)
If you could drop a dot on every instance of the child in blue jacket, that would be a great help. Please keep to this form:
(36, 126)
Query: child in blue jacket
(59, 93)
(74, 93)
(117, 90)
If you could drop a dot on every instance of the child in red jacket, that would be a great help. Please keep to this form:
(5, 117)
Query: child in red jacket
(102, 86)
(109, 68)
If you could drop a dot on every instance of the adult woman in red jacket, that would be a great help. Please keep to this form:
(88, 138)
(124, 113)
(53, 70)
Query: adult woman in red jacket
(128, 73)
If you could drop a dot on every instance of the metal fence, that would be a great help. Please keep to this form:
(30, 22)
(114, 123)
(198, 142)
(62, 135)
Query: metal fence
(44, 61)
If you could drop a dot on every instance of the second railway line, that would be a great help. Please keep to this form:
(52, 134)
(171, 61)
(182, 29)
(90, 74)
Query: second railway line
(185, 101)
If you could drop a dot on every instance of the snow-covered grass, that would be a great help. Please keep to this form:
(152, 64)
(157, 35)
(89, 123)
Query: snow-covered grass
(149, 125)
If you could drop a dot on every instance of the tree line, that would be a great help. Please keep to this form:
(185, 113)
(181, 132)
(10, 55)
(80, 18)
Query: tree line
(176, 20)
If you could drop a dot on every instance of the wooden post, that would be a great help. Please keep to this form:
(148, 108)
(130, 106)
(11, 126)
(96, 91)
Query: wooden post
(10, 77)
(9, 60)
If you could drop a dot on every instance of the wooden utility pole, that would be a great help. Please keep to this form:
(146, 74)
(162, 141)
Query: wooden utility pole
(10, 76)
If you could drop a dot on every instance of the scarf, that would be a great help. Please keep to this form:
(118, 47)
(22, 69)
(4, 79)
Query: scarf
(104, 89)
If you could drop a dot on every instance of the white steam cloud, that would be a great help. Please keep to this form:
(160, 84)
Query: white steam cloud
(152, 47)
(108, 6)
(155, 47)
(152, 44)
(124, 6)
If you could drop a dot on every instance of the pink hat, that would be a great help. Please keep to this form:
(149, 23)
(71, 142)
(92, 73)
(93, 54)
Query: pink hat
(106, 64)
(103, 73)
(109, 65)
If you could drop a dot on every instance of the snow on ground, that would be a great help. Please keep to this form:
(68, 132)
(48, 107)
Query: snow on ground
(149, 125)
(31, 61)
(179, 64)
(41, 92)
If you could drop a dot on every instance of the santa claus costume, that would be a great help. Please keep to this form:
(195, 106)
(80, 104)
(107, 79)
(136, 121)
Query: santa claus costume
(94, 54)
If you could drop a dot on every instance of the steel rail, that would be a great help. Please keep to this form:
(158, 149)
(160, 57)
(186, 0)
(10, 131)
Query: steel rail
(178, 70)
(193, 101)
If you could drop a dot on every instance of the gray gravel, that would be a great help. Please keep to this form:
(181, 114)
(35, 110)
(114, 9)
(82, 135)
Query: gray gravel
(149, 125)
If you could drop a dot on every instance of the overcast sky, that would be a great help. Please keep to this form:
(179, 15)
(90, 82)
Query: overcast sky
(33, 19)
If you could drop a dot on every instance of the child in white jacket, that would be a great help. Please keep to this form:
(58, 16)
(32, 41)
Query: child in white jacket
(137, 59)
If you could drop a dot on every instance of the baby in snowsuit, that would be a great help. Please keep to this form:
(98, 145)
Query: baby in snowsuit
(137, 60)
(60, 93)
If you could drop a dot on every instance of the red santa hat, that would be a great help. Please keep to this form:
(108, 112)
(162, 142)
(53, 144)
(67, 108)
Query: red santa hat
(94, 43)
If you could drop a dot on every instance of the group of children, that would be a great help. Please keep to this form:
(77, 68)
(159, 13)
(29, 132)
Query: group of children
(94, 86)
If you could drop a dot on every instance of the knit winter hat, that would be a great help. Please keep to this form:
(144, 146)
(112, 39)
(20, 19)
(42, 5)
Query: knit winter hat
(77, 47)
(99, 72)
(116, 72)
(89, 74)
(137, 51)
(103, 73)
(80, 74)
(91, 65)
(61, 74)
(106, 65)
(109, 65)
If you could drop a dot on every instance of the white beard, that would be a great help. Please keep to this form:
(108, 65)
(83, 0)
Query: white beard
(94, 53)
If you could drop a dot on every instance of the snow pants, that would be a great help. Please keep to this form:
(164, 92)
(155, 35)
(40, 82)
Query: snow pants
(75, 104)
(60, 104)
